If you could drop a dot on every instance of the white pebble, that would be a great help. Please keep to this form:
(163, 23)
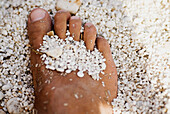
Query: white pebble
(60, 69)
(54, 52)
(5, 65)
(80, 74)
(110, 24)
(13, 106)
(69, 5)
(65, 104)
(6, 87)
(4, 32)
(0, 83)
(1, 95)
(68, 71)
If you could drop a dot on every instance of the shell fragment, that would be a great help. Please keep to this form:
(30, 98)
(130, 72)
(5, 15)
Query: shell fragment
(70, 5)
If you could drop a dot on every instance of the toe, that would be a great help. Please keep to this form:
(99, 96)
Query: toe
(89, 35)
(39, 23)
(60, 23)
(104, 47)
(110, 76)
(75, 27)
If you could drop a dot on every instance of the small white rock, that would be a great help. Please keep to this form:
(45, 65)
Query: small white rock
(102, 72)
(103, 66)
(65, 104)
(110, 24)
(5, 65)
(17, 72)
(68, 71)
(1, 96)
(60, 69)
(0, 83)
(4, 32)
(13, 106)
(103, 84)
(70, 38)
(80, 74)
(6, 87)
(56, 52)
(69, 5)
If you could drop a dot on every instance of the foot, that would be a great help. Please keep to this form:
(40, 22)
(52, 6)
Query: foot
(69, 94)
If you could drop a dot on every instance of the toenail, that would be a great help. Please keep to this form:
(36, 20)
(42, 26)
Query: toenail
(37, 14)
(60, 11)
(75, 17)
(88, 24)
(100, 37)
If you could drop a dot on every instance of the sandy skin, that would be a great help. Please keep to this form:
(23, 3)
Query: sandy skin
(69, 94)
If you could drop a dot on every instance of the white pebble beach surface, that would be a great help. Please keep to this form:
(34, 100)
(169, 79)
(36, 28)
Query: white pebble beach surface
(138, 33)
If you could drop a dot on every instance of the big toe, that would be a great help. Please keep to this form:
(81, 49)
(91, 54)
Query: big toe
(39, 23)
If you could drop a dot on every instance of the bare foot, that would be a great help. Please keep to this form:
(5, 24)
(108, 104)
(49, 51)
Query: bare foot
(58, 96)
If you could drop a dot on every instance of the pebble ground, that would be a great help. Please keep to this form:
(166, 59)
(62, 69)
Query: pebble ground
(138, 33)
